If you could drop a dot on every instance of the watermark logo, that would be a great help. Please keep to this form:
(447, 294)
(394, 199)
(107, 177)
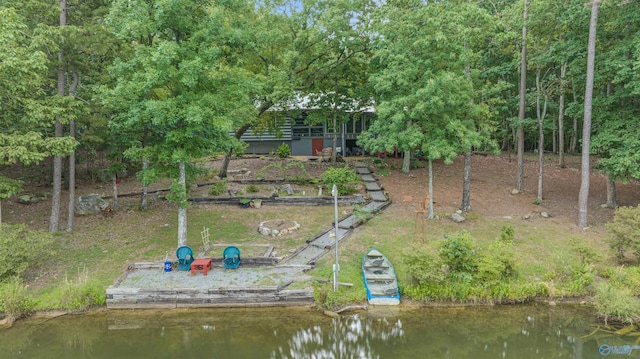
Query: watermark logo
(606, 349)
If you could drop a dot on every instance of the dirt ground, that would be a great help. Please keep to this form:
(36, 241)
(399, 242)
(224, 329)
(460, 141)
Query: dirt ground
(494, 177)
(492, 182)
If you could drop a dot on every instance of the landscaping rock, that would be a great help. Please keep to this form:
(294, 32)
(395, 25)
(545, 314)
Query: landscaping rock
(287, 187)
(90, 204)
(457, 218)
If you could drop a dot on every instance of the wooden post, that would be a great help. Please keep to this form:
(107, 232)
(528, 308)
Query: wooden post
(420, 213)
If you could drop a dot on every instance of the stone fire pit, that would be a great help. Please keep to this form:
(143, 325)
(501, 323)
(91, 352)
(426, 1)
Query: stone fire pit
(278, 227)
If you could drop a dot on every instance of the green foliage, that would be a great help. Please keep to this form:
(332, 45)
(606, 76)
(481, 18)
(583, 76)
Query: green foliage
(507, 233)
(617, 303)
(252, 189)
(300, 173)
(81, 293)
(361, 214)
(14, 300)
(584, 252)
(459, 255)
(424, 266)
(498, 263)
(283, 151)
(9, 187)
(416, 163)
(625, 229)
(379, 163)
(570, 274)
(537, 201)
(624, 277)
(178, 194)
(218, 188)
(344, 178)
(21, 248)
(325, 297)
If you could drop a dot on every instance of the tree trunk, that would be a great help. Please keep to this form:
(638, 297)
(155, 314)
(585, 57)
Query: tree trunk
(334, 144)
(561, 162)
(612, 198)
(583, 197)
(225, 164)
(182, 209)
(554, 137)
(54, 222)
(406, 162)
(71, 214)
(430, 216)
(227, 158)
(573, 145)
(144, 199)
(521, 111)
(465, 206)
(541, 113)
(114, 207)
(334, 153)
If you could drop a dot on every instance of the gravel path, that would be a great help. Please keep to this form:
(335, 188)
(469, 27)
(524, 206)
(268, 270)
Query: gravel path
(216, 278)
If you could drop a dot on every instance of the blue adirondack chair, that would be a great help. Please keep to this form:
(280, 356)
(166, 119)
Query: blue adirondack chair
(231, 257)
(185, 257)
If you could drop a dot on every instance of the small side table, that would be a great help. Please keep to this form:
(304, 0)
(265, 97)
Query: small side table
(201, 265)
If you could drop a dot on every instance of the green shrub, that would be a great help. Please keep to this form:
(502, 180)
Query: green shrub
(416, 163)
(379, 163)
(625, 229)
(252, 189)
(424, 266)
(627, 277)
(283, 151)
(585, 252)
(458, 253)
(325, 297)
(617, 303)
(218, 188)
(21, 248)
(344, 178)
(498, 263)
(81, 293)
(14, 300)
(507, 233)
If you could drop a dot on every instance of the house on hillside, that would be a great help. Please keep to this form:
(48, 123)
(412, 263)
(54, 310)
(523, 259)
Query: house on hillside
(306, 137)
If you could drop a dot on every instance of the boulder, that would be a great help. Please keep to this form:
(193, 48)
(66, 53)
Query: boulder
(287, 187)
(90, 204)
(31, 198)
(457, 218)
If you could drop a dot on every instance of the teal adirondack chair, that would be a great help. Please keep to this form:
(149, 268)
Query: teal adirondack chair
(185, 257)
(231, 257)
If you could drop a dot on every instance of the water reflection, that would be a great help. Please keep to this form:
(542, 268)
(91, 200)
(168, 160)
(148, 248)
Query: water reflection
(347, 337)
(479, 333)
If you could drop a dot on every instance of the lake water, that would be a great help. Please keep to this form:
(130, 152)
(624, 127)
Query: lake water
(523, 331)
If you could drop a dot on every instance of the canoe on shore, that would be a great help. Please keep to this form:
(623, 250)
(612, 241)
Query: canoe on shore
(380, 279)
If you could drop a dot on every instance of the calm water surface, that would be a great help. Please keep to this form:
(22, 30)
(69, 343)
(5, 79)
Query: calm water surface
(532, 331)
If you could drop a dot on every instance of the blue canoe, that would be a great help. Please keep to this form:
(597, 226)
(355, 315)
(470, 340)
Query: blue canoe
(380, 279)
